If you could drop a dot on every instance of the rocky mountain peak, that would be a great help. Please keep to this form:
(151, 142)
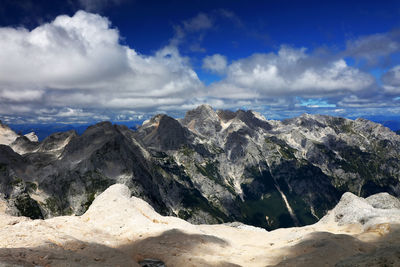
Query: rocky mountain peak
(23, 145)
(20, 143)
(307, 121)
(32, 137)
(202, 109)
(202, 120)
(163, 132)
(104, 126)
(225, 114)
(202, 112)
(253, 120)
(7, 136)
(152, 122)
(207, 122)
(57, 141)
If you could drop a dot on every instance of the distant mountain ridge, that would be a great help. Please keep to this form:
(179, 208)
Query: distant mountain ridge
(7, 135)
(44, 130)
(211, 166)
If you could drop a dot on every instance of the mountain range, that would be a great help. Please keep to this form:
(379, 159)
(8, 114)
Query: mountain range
(211, 166)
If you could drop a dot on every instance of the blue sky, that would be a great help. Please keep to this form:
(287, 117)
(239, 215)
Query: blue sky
(91, 60)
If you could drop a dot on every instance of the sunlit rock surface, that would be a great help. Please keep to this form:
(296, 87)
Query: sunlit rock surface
(120, 230)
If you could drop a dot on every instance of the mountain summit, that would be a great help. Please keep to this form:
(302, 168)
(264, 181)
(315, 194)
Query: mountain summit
(211, 166)
(129, 232)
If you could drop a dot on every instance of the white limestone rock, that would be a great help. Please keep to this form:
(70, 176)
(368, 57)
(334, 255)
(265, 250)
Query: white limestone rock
(351, 209)
(120, 230)
(32, 137)
(7, 136)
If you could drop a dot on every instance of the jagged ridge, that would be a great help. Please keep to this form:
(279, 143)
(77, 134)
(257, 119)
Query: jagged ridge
(211, 166)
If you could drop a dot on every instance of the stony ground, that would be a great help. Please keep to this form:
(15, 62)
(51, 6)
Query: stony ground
(118, 230)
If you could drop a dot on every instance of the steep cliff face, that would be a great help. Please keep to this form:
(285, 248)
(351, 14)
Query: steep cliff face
(211, 166)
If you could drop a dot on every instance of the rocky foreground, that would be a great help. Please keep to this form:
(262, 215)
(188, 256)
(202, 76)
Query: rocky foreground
(120, 230)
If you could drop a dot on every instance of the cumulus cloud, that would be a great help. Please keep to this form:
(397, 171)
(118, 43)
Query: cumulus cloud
(76, 69)
(287, 73)
(391, 80)
(374, 47)
(69, 52)
(70, 112)
(216, 63)
(78, 61)
(8, 94)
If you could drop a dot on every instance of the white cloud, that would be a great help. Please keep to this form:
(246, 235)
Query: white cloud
(375, 101)
(69, 52)
(354, 101)
(78, 61)
(391, 80)
(290, 72)
(10, 95)
(70, 112)
(216, 63)
(74, 68)
(373, 47)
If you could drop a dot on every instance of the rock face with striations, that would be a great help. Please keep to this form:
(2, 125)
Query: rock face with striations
(208, 167)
